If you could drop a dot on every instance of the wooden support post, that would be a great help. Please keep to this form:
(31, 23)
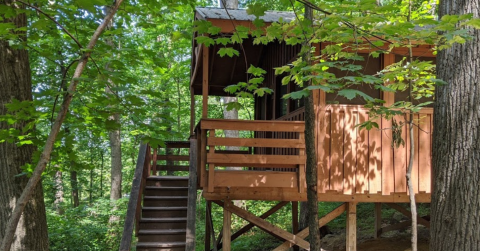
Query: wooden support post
(205, 82)
(192, 196)
(351, 235)
(208, 207)
(227, 226)
(378, 220)
(295, 221)
(192, 111)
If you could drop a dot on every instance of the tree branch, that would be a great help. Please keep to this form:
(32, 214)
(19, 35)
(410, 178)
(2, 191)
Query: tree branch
(55, 21)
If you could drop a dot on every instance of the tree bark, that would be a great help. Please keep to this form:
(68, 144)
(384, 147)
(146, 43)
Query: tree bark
(116, 155)
(32, 188)
(114, 135)
(456, 141)
(16, 83)
(59, 193)
(311, 167)
(74, 186)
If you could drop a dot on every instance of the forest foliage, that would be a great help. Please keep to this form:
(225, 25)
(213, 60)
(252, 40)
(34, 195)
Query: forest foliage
(150, 66)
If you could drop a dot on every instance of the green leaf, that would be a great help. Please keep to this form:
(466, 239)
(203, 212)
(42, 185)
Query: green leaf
(351, 94)
(256, 9)
(228, 51)
(207, 41)
(222, 40)
(298, 94)
(256, 71)
(475, 23)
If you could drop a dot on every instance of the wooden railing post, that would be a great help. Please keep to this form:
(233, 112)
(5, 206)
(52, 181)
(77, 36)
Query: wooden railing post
(192, 196)
(211, 166)
(301, 168)
(154, 162)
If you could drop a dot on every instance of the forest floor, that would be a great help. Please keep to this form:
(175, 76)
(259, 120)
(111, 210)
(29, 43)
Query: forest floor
(391, 241)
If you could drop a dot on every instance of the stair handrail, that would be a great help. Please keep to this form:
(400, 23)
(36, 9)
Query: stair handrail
(134, 203)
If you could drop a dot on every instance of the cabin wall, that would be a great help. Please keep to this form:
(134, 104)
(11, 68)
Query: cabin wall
(271, 106)
(353, 161)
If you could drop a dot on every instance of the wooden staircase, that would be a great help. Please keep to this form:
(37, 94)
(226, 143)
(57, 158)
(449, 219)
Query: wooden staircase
(164, 214)
(157, 211)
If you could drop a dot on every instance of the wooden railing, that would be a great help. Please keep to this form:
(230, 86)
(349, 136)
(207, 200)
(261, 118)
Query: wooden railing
(132, 219)
(212, 156)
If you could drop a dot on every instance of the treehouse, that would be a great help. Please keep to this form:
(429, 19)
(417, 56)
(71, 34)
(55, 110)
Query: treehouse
(354, 165)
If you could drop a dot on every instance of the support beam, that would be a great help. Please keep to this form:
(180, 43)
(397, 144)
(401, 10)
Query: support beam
(378, 220)
(321, 222)
(207, 224)
(295, 220)
(250, 225)
(192, 111)
(407, 213)
(351, 235)
(266, 226)
(227, 226)
(205, 55)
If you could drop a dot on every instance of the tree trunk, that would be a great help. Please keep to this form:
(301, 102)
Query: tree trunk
(59, 199)
(74, 185)
(33, 186)
(15, 83)
(116, 155)
(311, 167)
(456, 141)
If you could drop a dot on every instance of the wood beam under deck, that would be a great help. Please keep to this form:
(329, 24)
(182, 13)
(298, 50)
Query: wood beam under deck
(292, 194)
(261, 223)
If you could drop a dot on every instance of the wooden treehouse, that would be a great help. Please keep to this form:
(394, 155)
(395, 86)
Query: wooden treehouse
(354, 166)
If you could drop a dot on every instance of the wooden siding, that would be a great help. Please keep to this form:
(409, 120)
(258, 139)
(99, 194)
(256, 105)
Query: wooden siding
(357, 161)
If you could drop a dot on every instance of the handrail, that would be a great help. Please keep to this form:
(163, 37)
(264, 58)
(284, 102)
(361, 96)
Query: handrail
(134, 202)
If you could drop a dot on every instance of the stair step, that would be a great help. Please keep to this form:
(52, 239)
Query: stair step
(161, 231)
(163, 223)
(165, 201)
(165, 191)
(173, 219)
(164, 212)
(167, 178)
(167, 181)
(173, 168)
(162, 235)
(160, 244)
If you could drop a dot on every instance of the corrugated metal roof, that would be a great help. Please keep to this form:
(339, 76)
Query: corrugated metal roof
(241, 15)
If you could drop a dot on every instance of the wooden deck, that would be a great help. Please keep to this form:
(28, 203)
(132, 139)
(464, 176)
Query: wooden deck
(353, 164)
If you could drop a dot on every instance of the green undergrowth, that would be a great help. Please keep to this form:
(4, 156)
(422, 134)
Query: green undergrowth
(87, 227)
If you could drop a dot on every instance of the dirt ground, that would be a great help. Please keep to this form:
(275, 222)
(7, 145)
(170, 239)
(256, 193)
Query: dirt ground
(391, 241)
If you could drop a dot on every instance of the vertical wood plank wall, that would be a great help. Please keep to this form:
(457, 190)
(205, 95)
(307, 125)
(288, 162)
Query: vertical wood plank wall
(357, 161)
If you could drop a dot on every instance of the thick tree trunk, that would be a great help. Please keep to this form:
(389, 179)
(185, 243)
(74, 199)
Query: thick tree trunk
(33, 185)
(456, 141)
(15, 83)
